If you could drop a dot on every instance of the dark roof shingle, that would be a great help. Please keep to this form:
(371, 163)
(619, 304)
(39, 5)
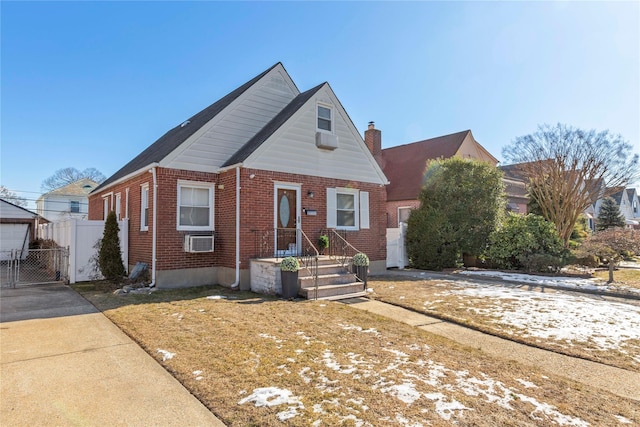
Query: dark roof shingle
(176, 136)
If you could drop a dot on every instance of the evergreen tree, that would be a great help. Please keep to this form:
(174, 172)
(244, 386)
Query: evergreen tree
(609, 215)
(109, 257)
(460, 205)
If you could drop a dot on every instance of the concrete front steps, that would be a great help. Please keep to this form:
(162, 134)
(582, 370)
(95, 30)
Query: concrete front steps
(334, 282)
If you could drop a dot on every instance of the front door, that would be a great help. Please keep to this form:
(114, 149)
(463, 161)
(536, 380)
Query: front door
(287, 219)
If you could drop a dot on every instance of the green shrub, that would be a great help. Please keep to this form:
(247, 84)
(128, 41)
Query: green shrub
(323, 242)
(360, 260)
(521, 237)
(289, 263)
(541, 263)
(109, 256)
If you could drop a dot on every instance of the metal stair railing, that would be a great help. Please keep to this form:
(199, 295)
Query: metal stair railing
(342, 251)
(309, 259)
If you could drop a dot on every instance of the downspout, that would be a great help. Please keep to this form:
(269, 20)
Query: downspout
(155, 222)
(236, 284)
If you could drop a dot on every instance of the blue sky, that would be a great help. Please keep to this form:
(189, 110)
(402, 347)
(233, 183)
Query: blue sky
(91, 84)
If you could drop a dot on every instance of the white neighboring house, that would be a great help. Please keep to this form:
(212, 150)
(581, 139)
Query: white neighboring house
(627, 200)
(17, 229)
(66, 202)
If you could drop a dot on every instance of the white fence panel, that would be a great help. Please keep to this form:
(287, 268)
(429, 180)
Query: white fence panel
(80, 236)
(396, 251)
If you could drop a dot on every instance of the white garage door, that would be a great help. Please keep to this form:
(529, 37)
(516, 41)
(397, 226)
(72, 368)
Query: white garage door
(13, 236)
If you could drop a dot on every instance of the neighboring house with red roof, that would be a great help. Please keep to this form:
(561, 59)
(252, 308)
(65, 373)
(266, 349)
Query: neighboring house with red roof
(213, 192)
(405, 166)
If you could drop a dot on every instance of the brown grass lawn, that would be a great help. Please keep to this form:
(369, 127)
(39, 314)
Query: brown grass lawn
(628, 277)
(317, 363)
(448, 300)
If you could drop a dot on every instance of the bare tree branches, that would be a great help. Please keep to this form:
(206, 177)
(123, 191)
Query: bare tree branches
(12, 197)
(68, 175)
(568, 169)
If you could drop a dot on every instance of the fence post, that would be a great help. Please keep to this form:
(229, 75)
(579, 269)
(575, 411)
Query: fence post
(72, 248)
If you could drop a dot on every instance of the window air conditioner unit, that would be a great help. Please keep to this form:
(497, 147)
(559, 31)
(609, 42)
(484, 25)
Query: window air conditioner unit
(326, 141)
(198, 243)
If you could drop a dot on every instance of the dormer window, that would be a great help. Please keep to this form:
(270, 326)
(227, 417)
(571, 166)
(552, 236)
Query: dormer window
(325, 117)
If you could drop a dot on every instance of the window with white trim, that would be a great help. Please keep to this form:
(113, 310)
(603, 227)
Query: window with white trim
(74, 206)
(403, 215)
(105, 207)
(195, 206)
(325, 118)
(117, 207)
(347, 209)
(144, 207)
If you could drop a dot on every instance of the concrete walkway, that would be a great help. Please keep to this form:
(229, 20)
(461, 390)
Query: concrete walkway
(615, 380)
(64, 363)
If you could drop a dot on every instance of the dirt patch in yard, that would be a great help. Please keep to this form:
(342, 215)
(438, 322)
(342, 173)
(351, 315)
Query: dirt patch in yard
(573, 324)
(262, 361)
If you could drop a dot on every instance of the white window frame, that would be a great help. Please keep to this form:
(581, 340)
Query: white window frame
(117, 206)
(71, 202)
(144, 204)
(332, 208)
(331, 119)
(105, 206)
(196, 184)
(402, 207)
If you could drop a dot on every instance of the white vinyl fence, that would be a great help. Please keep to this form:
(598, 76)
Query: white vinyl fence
(396, 250)
(80, 236)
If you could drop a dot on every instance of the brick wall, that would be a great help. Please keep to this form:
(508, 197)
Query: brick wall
(392, 210)
(257, 213)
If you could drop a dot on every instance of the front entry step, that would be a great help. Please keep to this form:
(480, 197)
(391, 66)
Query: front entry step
(333, 292)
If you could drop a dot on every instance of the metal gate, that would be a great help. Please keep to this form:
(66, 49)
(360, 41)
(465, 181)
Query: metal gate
(36, 266)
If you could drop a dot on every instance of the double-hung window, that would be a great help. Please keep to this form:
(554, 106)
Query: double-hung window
(74, 206)
(195, 206)
(144, 207)
(325, 118)
(347, 209)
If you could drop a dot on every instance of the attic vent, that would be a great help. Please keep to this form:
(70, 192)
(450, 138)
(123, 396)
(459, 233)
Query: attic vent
(186, 122)
(87, 187)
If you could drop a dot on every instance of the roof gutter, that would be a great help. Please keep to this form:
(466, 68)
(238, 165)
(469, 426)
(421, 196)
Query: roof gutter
(228, 168)
(126, 177)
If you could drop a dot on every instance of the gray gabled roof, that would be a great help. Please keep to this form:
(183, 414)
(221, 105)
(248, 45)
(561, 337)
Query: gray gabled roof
(179, 134)
(250, 146)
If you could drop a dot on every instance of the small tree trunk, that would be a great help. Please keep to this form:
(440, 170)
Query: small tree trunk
(610, 271)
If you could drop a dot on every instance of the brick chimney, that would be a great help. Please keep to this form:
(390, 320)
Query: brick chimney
(373, 139)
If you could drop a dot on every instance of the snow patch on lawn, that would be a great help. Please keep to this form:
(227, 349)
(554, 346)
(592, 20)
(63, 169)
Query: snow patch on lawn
(273, 396)
(166, 355)
(562, 317)
(555, 281)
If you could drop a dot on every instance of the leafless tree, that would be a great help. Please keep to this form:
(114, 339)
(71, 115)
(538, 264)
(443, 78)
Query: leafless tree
(610, 244)
(12, 197)
(66, 176)
(568, 169)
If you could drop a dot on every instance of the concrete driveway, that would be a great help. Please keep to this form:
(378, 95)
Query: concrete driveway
(64, 363)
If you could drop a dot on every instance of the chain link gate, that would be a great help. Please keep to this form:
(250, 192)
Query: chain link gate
(35, 266)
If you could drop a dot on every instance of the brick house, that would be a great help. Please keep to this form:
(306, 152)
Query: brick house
(406, 164)
(205, 198)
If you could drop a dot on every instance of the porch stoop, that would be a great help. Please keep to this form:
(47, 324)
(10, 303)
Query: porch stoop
(334, 282)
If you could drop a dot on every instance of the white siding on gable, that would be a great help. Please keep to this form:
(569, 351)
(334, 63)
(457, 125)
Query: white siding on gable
(292, 148)
(212, 145)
